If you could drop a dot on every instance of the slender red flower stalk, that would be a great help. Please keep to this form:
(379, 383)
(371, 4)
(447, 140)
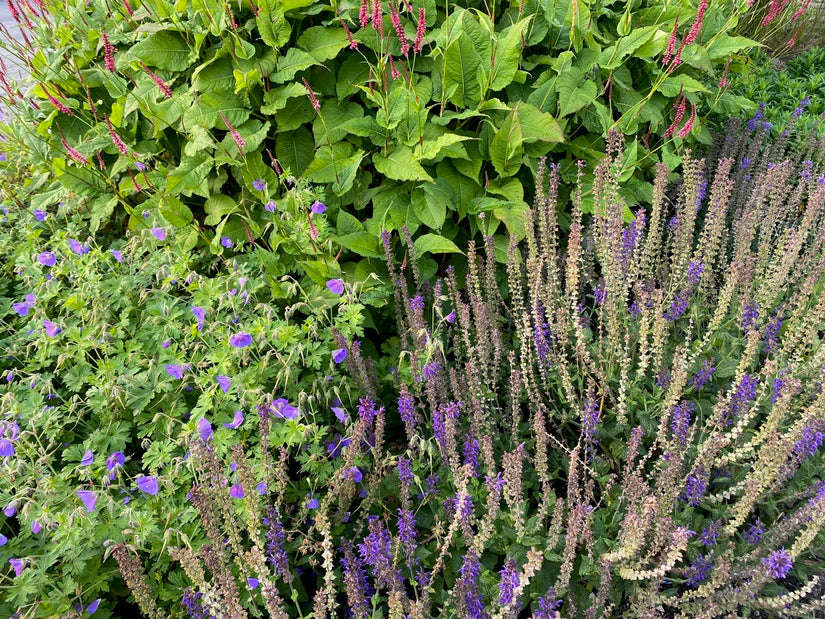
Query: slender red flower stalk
(160, 83)
(800, 11)
(689, 124)
(60, 106)
(128, 8)
(13, 10)
(671, 43)
(420, 29)
(353, 44)
(108, 54)
(774, 10)
(677, 59)
(101, 162)
(118, 142)
(399, 30)
(73, 153)
(138, 186)
(395, 72)
(697, 25)
(364, 13)
(724, 81)
(312, 98)
(313, 231)
(679, 106)
(232, 23)
(239, 141)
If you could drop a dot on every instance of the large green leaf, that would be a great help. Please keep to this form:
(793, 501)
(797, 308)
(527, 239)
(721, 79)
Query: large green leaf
(330, 125)
(164, 49)
(208, 107)
(175, 211)
(537, 125)
(295, 150)
(191, 176)
(464, 188)
(271, 24)
(338, 166)
(615, 55)
(435, 244)
(575, 92)
(217, 207)
(362, 243)
(506, 150)
(507, 54)
(431, 149)
(323, 43)
(277, 98)
(430, 209)
(216, 76)
(292, 62)
(400, 165)
(461, 65)
(725, 44)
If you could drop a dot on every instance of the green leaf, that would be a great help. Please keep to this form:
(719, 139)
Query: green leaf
(613, 57)
(295, 115)
(461, 63)
(362, 243)
(400, 165)
(537, 125)
(348, 224)
(199, 139)
(277, 98)
(292, 62)
(508, 48)
(337, 165)
(431, 210)
(216, 76)
(435, 244)
(330, 125)
(165, 49)
(724, 44)
(676, 83)
(217, 207)
(430, 149)
(575, 92)
(323, 43)
(295, 150)
(506, 150)
(271, 24)
(175, 211)
(464, 188)
(191, 176)
(354, 72)
(209, 105)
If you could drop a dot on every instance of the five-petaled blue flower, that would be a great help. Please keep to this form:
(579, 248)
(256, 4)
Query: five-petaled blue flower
(226, 241)
(174, 370)
(336, 286)
(318, 207)
(259, 184)
(240, 340)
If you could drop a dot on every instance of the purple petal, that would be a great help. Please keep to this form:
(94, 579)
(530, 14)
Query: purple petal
(340, 414)
(118, 255)
(336, 286)
(148, 484)
(47, 259)
(76, 247)
(175, 371)
(271, 206)
(21, 308)
(6, 448)
(226, 241)
(252, 582)
(18, 565)
(51, 328)
(115, 460)
(236, 491)
(92, 608)
(3, 540)
(313, 503)
(40, 215)
(159, 234)
(225, 382)
(318, 207)
(140, 166)
(36, 527)
(88, 458)
(236, 422)
(205, 429)
(88, 498)
(339, 355)
(261, 488)
(240, 340)
(283, 409)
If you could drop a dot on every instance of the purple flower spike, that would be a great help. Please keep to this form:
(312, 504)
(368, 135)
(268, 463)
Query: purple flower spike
(236, 491)
(159, 234)
(225, 383)
(88, 498)
(47, 259)
(18, 565)
(205, 429)
(174, 371)
(339, 355)
(283, 409)
(92, 608)
(88, 458)
(240, 340)
(51, 329)
(236, 421)
(318, 207)
(258, 184)
(779, 563)
(336, 286)
(148, 484)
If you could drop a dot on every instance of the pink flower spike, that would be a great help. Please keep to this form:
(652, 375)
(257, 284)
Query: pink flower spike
(420, 29)
(689, 124)
(159, 82)
(353, 44)
(312, 98)
(108, 54)
(88, 499)
(364, 13)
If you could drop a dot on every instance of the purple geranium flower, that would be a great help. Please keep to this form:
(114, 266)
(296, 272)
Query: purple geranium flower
(92, 608)
(205, 429)
(200, 315)
(40, 215)
(259, 184)
(88, 458)
(339, 355)
(3, 540)
(283, 409)
(224, 382)
(271, 206)
(236, 421)
(353, 473)
(252, 582)
(18, 565)
(47, 259)
(78, 247)
(140, 166)
(21, 308)
(118, 255)
(88, 498)
(148, 484)
(240, 340)
(313, 503)
(336, 286)
(318, 207)
(36, 527)
(174, 370)
(236, 491)
(6, 448)
(51, 328)
(159, 234)
(226, 241)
